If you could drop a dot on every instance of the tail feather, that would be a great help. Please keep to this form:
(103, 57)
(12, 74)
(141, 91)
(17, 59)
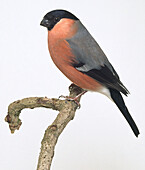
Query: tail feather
(117, 98)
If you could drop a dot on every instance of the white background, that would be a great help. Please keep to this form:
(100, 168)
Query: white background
(99, 137)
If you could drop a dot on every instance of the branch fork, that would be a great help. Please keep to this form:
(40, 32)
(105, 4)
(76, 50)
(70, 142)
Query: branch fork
(66, 113)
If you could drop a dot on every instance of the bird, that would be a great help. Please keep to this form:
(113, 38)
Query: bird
(80, 58)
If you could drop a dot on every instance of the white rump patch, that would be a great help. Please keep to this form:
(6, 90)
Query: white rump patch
(105, 91)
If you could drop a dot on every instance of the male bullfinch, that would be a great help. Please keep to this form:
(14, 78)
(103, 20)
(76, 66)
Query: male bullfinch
(79, 57)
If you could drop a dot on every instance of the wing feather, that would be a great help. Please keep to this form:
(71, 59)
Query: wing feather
(91, 60)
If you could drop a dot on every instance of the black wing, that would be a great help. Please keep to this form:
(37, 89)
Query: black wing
(105, 76)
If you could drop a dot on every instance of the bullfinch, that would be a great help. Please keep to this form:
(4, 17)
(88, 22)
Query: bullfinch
(79, 57)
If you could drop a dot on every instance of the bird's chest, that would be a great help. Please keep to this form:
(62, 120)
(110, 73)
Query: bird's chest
(60, 52)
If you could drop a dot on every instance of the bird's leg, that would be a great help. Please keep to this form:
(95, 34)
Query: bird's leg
(75, 99)
(79, 95)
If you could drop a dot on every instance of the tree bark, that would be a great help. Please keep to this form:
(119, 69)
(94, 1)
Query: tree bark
(66, 110)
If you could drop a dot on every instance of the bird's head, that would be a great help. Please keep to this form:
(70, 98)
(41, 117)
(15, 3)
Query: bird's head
(54, 17)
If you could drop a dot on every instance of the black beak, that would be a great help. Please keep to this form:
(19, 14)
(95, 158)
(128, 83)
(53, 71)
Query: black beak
(45, 23)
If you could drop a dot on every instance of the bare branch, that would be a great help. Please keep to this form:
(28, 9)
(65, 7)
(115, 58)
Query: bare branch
(66, 113)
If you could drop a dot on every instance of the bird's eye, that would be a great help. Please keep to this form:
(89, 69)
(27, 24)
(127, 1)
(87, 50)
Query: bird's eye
(56, 19)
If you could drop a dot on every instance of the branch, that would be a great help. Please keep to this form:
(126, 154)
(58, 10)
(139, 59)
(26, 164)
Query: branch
(66, 110)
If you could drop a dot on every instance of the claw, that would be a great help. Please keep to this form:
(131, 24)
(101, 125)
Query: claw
(61, 96)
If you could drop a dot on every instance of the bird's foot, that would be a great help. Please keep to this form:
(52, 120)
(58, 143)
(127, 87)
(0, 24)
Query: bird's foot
(71, 99)
(75, 99)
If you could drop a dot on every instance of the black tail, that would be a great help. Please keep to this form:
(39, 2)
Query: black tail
(117, 98)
